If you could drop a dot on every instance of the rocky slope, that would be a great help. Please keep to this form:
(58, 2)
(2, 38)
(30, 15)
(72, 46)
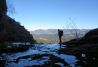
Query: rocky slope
(11, 30)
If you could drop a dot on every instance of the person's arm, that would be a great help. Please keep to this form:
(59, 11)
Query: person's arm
(58, 32)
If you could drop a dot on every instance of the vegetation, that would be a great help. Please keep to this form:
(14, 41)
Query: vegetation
(46, 38)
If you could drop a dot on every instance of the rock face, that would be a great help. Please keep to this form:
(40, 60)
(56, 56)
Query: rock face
(91, 36)
(10, 30)
(93, 32)
(3, 7)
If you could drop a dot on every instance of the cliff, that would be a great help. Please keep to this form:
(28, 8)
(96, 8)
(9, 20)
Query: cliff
(11, 30)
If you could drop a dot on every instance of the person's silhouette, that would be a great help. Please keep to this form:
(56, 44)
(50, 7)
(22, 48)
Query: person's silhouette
(60, 34)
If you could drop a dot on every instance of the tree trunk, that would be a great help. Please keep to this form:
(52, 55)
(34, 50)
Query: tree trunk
(3, 7)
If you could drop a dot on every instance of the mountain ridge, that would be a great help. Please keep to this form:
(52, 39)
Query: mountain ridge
(51, 35)
(55, 31)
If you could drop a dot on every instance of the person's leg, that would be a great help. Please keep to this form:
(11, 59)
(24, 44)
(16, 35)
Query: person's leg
(0, 17)
(60, 41)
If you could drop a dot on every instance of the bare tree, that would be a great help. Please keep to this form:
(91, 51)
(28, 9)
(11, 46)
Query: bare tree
(10, 7)
(73, 28)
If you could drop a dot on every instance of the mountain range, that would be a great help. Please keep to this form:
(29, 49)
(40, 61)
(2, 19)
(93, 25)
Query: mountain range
(55, 31)
(51, 35)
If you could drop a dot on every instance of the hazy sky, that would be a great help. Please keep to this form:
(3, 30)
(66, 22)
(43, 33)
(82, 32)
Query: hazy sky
(47, 14)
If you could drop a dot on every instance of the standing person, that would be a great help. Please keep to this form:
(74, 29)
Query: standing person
(60, 34)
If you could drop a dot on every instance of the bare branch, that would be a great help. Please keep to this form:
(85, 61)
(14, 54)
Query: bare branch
(11, 8)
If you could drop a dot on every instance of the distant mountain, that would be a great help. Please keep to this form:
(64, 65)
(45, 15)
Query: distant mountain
(42, 31)
(55, 31)
(51, 35)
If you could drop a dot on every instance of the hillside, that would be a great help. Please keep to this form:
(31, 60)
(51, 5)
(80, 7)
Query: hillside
(11, 30)
(87, 45)
(14, 32)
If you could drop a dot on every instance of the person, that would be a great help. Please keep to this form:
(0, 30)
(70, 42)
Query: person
(60, 34)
